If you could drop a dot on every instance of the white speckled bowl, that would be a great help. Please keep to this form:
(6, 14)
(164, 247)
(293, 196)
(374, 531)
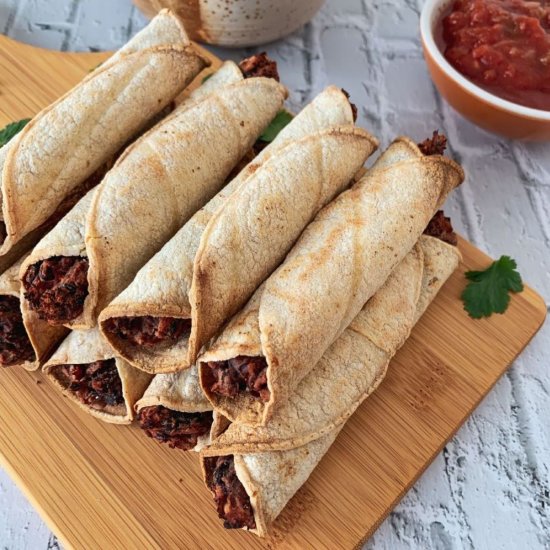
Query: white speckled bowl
(237, 22)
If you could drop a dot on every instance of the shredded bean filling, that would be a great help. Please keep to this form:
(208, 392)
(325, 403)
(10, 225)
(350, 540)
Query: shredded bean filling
(435, 145)
(148, 331)
(15, 346)
(441, 228)
(179, 430)
(57, 287)
(232, 501)
(237, 375)
(259, 65)
(96, 384)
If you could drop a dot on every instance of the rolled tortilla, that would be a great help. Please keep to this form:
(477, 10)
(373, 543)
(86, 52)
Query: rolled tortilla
(82, 349)
(167, 396)
(69, 140)
(161, 288)
(263, 219)
(272, 462)
(165, 177)
(57, 246)
(341, 260)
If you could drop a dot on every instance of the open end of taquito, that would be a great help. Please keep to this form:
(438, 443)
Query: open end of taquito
(54, 277)
(251, 490)
(53, 280)
(267, 349)
(85, 369)
(67, 141)
(149, 323)
(174, 411)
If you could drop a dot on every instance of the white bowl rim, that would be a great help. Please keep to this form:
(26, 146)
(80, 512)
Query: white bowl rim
(426, 33)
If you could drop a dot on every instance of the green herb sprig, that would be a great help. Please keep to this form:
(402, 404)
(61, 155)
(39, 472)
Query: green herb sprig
(277, 124)
(11, 130)
(488, 291)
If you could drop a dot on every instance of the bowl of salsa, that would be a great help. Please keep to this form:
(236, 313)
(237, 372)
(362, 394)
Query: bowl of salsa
(490, 59)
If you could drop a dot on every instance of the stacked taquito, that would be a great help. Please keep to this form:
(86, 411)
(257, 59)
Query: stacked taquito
(84, 366)
(153, 188)
(53, 157)
(174, 410)
(215, 262)
(254, 472)
(342, 258)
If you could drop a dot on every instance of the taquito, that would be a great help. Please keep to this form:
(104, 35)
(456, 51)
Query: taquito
(174, 410)
(159, 181)
(86, 370)
(69, 140)
(254, 472)
(60, 255)
(149, 323)
(340, 261)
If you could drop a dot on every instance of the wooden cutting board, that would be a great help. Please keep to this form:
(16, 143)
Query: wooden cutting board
(103, 486)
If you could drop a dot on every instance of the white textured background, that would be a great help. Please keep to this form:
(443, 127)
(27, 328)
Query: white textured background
(489, 488)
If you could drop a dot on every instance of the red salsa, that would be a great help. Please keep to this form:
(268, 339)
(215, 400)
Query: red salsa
(502, 46)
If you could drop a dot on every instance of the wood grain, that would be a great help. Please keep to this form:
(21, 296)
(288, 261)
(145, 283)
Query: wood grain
(105, 486)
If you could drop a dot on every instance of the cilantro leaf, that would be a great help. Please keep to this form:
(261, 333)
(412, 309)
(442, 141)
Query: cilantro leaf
(207, 77)
(488, 291)
(11, 130)
(277, 124)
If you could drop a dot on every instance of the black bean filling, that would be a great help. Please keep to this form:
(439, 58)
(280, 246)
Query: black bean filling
(15, 346)
(57, 287)
(237, 375)
(96, 384)
(232, 501)
(178, 429)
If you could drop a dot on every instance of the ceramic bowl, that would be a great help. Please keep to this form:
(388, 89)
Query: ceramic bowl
(237, 22)
(479, 106)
